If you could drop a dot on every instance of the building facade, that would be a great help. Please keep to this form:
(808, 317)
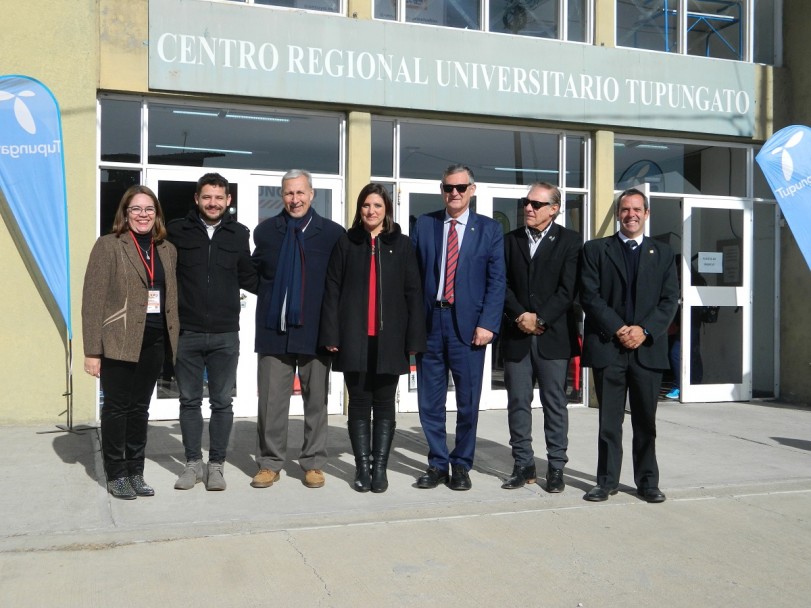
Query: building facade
(671, 96)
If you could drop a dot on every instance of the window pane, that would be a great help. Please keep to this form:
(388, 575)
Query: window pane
(578, 13)
(720, 347)
(120, 131)
(237, 139)
(329, 6)
(575, 159)
(382, 147)
(533, 18)
(496, 156)
(714, 28)
(114, 183)
(463, 14)
(763, 301)
(718, 232)
(386, 9)
(763, 31)
(574, 212)
(271, 202)
(680, 168)
(648, 25)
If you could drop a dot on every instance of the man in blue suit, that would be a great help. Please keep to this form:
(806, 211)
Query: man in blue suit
(461, 259)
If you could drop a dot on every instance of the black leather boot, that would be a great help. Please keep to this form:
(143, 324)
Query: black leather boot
(360, 436)
(381, 446)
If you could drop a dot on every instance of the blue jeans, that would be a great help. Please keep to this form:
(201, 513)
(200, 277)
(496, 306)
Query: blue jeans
(216, 354)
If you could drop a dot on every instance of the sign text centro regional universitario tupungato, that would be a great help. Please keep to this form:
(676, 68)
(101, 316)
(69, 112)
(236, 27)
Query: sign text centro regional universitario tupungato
(231, 49)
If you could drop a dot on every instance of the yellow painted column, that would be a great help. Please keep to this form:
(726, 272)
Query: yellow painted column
(360, 9)
(604, 25)
(359, 158)
(602, 190)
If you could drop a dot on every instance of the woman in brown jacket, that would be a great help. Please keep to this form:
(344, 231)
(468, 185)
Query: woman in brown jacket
(129, 321)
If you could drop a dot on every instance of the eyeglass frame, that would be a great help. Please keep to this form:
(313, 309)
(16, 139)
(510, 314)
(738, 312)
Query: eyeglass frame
(139, 210)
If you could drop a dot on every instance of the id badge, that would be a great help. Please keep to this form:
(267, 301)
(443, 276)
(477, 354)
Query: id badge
(153, 302)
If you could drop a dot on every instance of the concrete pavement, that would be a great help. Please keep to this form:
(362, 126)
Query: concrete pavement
(735, 530)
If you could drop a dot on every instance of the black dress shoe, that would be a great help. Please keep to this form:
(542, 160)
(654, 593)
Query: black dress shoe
(554, 481)
(460, 480)
(521, 475)
(432, 478)
(651, 494)
(599, 494)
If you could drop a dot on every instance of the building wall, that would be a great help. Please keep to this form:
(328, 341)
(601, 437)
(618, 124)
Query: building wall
(795, 277)
(56, 43)
(83, 46)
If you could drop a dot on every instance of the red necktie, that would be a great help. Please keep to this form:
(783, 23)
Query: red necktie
(451, 259)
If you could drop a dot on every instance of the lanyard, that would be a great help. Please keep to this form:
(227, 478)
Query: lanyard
(150, 268)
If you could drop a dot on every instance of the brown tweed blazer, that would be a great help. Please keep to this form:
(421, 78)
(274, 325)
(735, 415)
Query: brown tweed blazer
(115, 296)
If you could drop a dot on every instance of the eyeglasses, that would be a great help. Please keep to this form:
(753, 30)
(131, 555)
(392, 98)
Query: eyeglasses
(460, 188)
(535, 204)
(140, 210)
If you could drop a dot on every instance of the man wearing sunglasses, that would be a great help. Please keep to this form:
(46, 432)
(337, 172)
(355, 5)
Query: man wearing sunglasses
(461, 259)
(540, 332)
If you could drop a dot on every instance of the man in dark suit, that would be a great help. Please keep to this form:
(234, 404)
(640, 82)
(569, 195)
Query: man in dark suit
(540, 332)
(291, 256)
(461, 260)
(629, 292)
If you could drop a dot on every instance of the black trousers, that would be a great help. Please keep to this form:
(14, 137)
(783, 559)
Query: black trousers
(626, 377)
(128, 390)
(369, 390)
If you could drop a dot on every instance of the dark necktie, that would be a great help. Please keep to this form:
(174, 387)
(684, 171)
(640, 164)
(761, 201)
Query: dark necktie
(631, 267)
(451, 258)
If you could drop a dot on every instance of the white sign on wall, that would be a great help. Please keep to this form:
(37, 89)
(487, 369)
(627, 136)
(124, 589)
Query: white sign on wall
(247, 50)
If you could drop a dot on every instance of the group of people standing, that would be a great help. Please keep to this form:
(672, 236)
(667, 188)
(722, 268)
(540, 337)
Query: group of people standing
(364, 301)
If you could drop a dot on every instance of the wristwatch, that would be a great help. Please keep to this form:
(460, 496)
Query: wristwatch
(540, 323)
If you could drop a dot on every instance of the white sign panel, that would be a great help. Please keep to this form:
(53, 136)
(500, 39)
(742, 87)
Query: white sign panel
(248, 50)
(710, 262)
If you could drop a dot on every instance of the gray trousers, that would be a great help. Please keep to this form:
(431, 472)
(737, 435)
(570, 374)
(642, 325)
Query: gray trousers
(276, 373)
(519, 377)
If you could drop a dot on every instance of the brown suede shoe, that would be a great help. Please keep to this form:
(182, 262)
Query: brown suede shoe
(265, 478)
(314, 478)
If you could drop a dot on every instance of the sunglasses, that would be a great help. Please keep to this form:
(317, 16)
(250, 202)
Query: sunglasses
(535, 204)
(460, 188)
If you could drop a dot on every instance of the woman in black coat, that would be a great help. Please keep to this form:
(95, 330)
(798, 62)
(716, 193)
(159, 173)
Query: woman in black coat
(372, 320)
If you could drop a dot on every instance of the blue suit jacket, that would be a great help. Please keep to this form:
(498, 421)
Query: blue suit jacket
(480, 274)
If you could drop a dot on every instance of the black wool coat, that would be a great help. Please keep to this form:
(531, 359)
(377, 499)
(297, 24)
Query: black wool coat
(344, 311)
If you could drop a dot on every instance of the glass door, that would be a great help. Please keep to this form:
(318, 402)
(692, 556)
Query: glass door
(716, 311)
(266, 198)
(254, 198)
(413, 200)
(499, 202)
(175, 189)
